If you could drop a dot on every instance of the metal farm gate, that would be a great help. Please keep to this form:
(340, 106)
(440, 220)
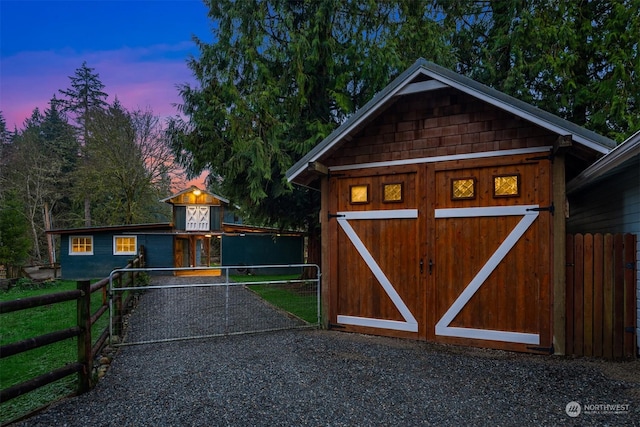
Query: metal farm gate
(169, 304)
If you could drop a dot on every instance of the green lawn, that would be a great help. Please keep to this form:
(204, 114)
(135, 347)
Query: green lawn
(297, 298)
(30, 323)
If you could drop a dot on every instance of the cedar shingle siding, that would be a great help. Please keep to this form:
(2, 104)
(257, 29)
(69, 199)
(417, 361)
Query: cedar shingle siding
(443, 124)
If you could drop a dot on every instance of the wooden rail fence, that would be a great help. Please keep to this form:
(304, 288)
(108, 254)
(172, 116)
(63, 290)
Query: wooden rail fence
(87, 350)
(601, 295)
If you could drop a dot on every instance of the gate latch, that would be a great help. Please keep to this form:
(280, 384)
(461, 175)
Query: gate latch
(330, 215)
(551, 209)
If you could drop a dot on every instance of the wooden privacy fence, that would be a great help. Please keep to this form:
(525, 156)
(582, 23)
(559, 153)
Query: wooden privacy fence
(87, 350)
(601, 295)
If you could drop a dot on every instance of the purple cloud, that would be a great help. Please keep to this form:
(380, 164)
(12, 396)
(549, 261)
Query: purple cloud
(139, 77)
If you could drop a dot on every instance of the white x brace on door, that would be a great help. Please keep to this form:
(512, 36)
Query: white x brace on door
(409, 324)
(529, 215)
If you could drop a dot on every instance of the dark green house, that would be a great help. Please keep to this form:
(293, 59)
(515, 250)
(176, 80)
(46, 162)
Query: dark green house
(203, 226)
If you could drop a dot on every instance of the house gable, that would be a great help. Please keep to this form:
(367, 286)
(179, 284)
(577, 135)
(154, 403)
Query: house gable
(196, 210)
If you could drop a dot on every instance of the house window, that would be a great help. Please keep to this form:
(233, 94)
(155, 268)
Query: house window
(125, 245)
(81, 245)
(197, 218)
(463, 188)
(359, 193)
(506, 185)
(392, 192)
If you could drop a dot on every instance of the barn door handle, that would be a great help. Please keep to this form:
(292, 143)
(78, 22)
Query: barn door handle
(421, 266)
(430, 267)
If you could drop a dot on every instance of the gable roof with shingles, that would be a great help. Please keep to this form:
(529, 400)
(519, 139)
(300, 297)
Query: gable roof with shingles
(441, 77)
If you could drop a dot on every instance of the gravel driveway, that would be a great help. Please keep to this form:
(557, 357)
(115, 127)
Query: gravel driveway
(328, 378)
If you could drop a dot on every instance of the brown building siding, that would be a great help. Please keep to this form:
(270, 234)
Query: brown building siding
(444, 123)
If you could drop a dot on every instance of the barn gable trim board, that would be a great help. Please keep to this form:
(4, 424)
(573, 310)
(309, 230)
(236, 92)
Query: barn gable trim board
(436, 159)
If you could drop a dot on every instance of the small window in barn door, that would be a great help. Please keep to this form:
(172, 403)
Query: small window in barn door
(359, 194)
(392, 193)
(506, 185)
(463, 188)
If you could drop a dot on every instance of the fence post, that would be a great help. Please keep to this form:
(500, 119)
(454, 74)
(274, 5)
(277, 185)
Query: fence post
(117, 300)
(84, 339)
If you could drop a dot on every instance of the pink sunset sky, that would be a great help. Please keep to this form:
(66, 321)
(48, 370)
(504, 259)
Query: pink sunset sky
(139, 48)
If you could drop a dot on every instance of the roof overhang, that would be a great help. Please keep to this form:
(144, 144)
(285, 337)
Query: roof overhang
(130, 228)
(229, 228)
(409, 83)
(624, 152)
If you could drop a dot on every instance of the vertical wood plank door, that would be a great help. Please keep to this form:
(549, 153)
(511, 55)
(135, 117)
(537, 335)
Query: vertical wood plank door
(180, 249)
(376, 288)
(492, 255)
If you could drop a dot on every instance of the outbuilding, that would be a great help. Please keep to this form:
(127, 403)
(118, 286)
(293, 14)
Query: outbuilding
(443, 214)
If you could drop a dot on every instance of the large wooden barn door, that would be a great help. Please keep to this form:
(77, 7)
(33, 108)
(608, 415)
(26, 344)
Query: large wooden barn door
(492, 255)
(377, 280)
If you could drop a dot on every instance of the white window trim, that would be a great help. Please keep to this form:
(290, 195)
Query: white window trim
(72, 253)
(115, 247)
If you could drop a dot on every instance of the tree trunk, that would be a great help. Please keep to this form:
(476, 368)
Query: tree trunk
(36, 241)
(47, 226)
(87, 212)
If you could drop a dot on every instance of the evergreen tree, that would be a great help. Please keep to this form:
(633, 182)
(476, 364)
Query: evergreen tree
(84, 99)
(5, 153)
(578, 60)
(129, 163)
(32, 177)
(61, 145)
(41, 169)
(14, 240)
(279, 78)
